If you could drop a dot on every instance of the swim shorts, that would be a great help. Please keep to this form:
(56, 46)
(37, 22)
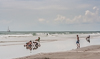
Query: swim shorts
(77, 41)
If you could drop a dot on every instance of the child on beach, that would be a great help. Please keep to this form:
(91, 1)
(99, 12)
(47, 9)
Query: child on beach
(77, 42)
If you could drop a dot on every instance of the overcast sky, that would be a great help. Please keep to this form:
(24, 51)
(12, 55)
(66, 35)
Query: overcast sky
(50, 15)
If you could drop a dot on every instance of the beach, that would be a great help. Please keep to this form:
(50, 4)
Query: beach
(49, 29)
(89, 52)
(55, 43)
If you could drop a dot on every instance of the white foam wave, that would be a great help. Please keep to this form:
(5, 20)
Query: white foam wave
(16, 35)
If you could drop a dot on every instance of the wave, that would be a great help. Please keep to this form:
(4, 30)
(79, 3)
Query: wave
(16, 35)
(44, 33)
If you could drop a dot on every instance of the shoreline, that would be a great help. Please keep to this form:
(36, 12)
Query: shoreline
(89, 52)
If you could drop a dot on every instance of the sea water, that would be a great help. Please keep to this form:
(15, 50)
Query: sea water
(12, 43)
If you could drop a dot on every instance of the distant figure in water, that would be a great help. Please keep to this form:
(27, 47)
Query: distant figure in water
(77, 42)
(47, 34)
(38, 41)
(88, 38)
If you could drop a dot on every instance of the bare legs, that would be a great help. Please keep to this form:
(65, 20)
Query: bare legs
(78, 45)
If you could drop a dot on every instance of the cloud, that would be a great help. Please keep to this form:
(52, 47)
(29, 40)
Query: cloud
(41, 20)
(60, 18)
(88, 17)
(95, 8)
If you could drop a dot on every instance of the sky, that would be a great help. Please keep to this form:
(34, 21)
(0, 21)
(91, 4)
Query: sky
(50, 15)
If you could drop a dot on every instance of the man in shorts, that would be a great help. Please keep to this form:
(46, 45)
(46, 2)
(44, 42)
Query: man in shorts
(77, 42)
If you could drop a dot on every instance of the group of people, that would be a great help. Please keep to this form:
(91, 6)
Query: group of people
(78, 41)
(35, 43)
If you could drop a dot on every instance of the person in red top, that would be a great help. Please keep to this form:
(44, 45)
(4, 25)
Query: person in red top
(38, 39)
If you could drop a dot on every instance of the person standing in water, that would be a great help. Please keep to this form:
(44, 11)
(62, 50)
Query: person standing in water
(38, 41)
(88, 38)
(77, 42)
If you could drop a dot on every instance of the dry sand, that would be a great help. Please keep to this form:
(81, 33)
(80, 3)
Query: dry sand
(90, 52)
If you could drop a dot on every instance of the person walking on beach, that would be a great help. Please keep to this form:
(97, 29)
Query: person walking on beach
(88, 38)
(77, 42)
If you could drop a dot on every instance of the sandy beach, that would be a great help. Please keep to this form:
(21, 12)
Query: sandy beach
(53, 46)
(89, 52)
(49, 29)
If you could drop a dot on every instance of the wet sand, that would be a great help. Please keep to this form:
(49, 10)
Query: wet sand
(89, 52)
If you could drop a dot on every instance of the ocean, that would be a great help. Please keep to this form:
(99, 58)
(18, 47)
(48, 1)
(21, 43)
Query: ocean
(37, 33)
(12, 43)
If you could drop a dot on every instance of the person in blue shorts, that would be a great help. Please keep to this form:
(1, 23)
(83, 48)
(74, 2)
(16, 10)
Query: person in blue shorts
(78, 42)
